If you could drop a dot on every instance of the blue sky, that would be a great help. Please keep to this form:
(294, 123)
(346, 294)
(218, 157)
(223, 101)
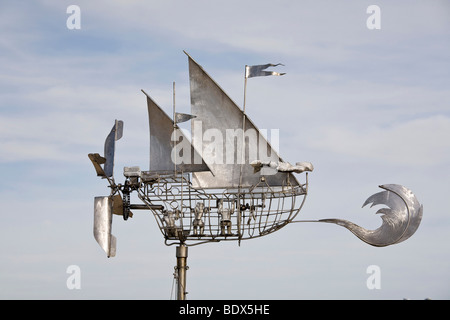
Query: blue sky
(366, 107)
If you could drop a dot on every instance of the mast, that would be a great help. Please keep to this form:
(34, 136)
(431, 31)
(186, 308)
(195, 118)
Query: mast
(243, 155)
(174, 128)
(243, 128)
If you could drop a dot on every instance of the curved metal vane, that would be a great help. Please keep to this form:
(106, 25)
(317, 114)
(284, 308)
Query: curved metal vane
(110, 146)
(400, 220)
(103, 208)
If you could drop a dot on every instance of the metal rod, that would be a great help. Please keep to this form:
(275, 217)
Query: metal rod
(181, 253)
(245, 87)
(174, 127)
(146, 207)
(242, 155)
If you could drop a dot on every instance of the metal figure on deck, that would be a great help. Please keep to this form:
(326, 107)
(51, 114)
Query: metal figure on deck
(198, 221)
(225, 221)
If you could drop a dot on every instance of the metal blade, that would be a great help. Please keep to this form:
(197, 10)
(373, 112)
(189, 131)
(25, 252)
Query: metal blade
(103, 225)
(97, 160)
(110, 145)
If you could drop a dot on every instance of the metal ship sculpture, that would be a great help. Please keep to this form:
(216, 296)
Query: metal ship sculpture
(225, 182)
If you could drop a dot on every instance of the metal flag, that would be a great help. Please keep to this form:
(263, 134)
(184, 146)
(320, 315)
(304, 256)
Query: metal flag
(183, 117)
(258, 71)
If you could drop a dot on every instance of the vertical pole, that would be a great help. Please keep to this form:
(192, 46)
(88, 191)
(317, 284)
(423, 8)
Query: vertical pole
(245, 87)
(174, 128)
(242, 156)
(182, 253)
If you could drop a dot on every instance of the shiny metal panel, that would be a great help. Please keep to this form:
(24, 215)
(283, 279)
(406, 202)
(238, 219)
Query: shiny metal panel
(414, 208)
(161, 144)
(182, 117)
(103, 209)
(110, 145)
(400, 220)
(259, 70)
(216, 113)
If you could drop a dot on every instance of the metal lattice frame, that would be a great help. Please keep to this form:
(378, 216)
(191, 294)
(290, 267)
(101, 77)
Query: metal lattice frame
(253, 212)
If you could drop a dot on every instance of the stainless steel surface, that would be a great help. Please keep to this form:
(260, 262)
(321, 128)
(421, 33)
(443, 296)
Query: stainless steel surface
(218, 194)
(103, 224)
(110, 145)
(400, 220)
(415, 209)
(194, 216)
(279, 166)
(258, 71)
(183, 117)
(181, 254)
(132, 171)
(233, 201)
(260, 205)
(218, 117)
(162, 146)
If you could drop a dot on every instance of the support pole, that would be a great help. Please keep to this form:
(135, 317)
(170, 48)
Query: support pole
(242, 155)
(182, 253)
(174, 127)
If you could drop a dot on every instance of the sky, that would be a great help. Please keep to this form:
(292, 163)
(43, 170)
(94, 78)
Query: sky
(365, 106)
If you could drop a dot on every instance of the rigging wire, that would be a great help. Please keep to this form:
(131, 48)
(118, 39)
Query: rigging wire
(175, 277)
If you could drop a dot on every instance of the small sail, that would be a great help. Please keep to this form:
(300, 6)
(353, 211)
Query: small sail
(162, 146)
(218, 133)
(182, 117)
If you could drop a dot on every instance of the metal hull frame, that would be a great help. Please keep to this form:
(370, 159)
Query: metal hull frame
(251, 212)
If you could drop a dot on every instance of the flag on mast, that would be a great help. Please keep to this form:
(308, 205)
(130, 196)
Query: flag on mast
(183, 117)
(259, 70)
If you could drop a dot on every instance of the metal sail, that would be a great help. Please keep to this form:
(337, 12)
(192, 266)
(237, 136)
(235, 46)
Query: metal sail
(162, 146)
(218, 117)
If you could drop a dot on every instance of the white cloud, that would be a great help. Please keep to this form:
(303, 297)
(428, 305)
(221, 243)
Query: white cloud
(349, 91)
(320, 30)
(70, 120)
(422, 142)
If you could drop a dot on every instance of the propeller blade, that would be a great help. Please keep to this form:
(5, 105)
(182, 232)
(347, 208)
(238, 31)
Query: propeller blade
(103, 209)
(110, 145)
(97, 160)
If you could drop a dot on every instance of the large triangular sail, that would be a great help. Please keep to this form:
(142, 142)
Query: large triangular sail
(162, 145)
(218, 131)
